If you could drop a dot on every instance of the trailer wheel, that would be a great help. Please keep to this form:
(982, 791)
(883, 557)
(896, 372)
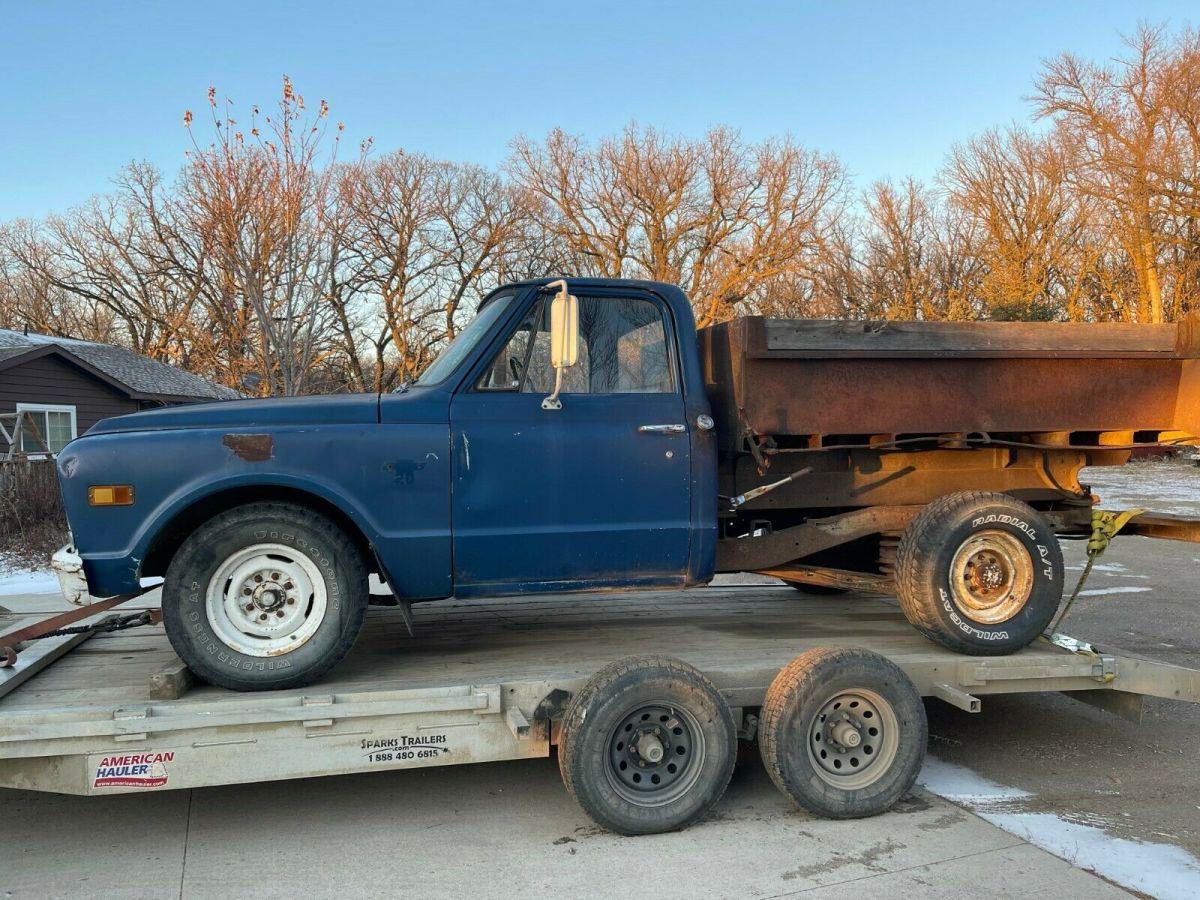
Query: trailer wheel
(648, 745)
(980, 573)
(843, 732)
(264, 596)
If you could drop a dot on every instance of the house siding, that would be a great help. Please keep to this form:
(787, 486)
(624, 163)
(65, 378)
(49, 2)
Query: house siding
(51, 380)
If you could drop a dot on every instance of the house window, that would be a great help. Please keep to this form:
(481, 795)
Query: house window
(45, 427)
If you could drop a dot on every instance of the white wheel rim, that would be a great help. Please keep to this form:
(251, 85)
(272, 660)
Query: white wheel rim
(266, 600)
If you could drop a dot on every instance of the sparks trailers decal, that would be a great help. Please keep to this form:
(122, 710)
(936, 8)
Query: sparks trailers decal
(134, 770)
(404, 748)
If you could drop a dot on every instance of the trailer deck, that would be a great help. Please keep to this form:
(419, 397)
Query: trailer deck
(482, 681)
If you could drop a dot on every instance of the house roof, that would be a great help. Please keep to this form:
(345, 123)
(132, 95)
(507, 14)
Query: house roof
(139, 376)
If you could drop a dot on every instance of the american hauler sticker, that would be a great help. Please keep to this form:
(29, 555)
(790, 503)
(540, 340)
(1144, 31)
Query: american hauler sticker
(134, 770)
(404, 748)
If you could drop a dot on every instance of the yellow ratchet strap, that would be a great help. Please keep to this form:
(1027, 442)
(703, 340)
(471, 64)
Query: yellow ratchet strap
(1105, 526)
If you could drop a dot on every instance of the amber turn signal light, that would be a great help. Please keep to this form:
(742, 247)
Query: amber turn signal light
(110, 495)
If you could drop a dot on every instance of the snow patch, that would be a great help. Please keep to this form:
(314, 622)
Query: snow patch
(26, 581)
(1163, 488)
(1160, 870)
(1103, 592)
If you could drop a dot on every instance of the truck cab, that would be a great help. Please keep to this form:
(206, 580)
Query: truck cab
(506, 468)
(613, 482)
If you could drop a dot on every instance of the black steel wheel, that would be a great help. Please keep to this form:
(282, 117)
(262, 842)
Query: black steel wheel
(843, 732)
(655, 754)
(648, 745)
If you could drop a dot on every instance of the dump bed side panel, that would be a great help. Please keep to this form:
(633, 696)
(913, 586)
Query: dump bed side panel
(788, 377)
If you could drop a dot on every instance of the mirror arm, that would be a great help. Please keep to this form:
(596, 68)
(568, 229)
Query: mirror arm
(552, 401)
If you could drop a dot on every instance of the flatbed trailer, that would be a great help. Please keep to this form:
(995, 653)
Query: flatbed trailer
(484, 681)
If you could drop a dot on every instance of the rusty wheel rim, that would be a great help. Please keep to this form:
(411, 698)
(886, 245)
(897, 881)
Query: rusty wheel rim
(991, 577)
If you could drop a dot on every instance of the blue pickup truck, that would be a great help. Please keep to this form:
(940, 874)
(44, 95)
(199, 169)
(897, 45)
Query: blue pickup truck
(581, 436)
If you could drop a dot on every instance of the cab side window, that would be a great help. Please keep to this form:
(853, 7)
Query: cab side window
(622, 350)
(507, 370)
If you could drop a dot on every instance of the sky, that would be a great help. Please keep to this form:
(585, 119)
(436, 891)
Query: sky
(887, 86)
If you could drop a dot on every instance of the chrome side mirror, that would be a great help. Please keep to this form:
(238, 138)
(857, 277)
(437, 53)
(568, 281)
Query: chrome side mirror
(564, 338)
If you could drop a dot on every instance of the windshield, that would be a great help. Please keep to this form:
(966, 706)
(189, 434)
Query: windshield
(462, 345)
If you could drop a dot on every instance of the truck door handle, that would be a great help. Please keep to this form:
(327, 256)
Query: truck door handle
(662, 429)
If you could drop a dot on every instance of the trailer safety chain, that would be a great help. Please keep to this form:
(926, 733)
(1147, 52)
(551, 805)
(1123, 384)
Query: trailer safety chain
(45, 628)
(111, 623)
(1105, 526)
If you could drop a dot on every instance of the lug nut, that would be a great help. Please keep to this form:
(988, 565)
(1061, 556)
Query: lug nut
(263, 617)
(280, 614)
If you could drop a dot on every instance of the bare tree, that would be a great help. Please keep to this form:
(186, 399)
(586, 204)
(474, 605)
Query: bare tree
(1035, 235)
(721, 218)
(266, 195)
(1112, 122)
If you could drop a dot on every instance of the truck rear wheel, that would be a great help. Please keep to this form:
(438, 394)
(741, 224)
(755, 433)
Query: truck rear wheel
(843, 732)
(648, 745)
(264, 596)
(980, 573)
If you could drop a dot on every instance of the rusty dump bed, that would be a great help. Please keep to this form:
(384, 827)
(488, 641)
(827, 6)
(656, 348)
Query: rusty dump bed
(814, 379)
(482, 681)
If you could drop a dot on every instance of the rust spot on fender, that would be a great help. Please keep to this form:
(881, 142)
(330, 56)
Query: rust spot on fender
(250, 447)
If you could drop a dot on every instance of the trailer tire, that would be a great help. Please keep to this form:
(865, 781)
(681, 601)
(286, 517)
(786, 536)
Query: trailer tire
(979, 572)
(842, 732)
(647, 745)
(264, 596)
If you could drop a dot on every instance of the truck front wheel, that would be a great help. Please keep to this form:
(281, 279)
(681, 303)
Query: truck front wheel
(647, 745)
(264, 596)
(980, 573)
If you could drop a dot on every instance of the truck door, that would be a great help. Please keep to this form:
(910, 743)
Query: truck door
(596, 493)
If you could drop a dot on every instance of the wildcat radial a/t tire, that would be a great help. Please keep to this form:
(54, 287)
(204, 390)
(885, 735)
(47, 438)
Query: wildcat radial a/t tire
(980, 573)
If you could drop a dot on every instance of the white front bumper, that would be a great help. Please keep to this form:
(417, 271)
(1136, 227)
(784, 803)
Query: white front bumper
(68, 566)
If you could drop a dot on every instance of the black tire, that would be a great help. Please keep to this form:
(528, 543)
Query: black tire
(1020, 551)
(798, 714)
(324, 560)
(673, 705)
